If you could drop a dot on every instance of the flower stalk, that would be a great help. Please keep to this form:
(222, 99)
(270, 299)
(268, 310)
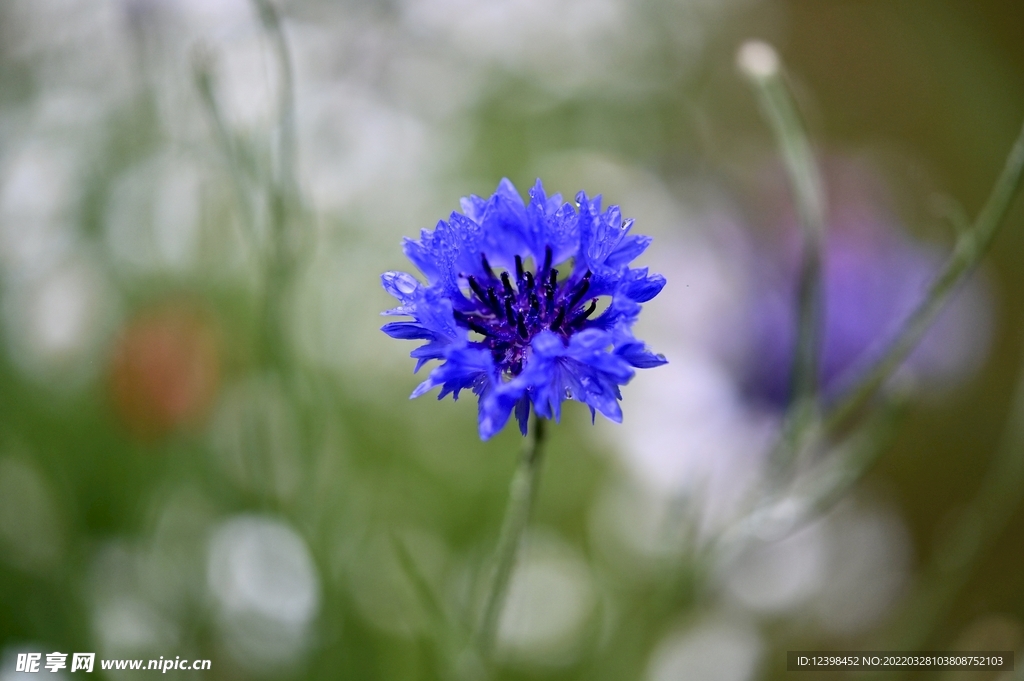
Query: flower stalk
(760, 64)
(970, 247)
(522, 494)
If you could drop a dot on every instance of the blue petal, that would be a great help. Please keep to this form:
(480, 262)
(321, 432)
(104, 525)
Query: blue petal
(622, 310)
(628, 250)
(640, 287)
(463, 368)
(473, 206)
(425, 353)
(496, 404)
(563, 233)
(637, 355)
(422, 253)
(408, 331)
(401, 285)
(523, 413)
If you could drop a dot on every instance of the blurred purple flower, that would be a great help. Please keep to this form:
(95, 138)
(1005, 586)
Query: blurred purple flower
(874, 277)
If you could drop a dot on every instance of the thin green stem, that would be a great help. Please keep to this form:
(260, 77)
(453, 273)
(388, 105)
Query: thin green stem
(205, 87)
(970, 247)
(286, 222)
(818, 490)
(761, 65)
(847, 466)
(287, 146)
(522, 494)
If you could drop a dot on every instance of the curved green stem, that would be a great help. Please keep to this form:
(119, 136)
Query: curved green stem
(522, 493)
(970, 247)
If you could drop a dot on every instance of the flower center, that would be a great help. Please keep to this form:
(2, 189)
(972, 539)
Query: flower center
(508, 316)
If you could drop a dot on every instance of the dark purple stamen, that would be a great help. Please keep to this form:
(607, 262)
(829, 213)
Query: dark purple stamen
(492, 300)
(509, 291)
(474, 323)
(580, 291)
(558, 318)
(487, 266)
(547, 261)
(582, 315)
(509, 315)
(478, 290)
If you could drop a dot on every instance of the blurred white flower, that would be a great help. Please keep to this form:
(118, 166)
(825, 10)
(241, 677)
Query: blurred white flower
(337, 318)
(632, 529)
(714, 649)
(551, 600)
(211, 18)
(844, 571)
(360, 154)
(132, 626)
(38, 194)
(153, 215)
(266, 589)
(776, 576)
(57, 323)
(688, 435)
(571, 45)
(77, 43)
(868, 563)
(563, 42)
(125, 620)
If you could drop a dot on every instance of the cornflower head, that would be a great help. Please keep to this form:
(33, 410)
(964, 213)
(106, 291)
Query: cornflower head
(510, 305)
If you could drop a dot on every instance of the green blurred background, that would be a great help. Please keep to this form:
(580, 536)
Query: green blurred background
(189, 470)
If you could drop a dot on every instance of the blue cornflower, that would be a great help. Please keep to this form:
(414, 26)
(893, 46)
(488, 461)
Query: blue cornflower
(510, 299)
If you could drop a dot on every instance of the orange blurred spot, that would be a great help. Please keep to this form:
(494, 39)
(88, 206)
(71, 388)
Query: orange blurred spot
(165, 370)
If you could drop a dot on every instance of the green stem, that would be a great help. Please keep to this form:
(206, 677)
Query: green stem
(269, 259)
(851, 462)
(286, 219)
(970, 247)
(522, 493)
(760, 64)
(287, 145)
(205, 86)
